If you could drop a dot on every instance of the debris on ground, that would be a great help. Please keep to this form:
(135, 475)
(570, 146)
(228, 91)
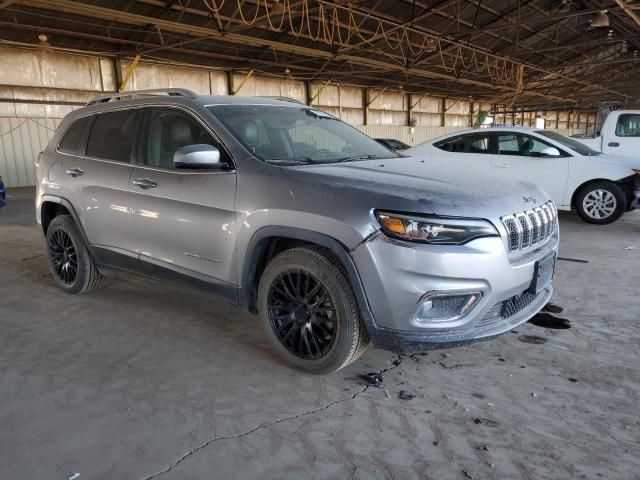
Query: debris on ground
(373, 378)
(486, 421)
(574, 380)
(576, 260)
(467, 474)
(533, 339)
(630, 247)
(404, 395)
(74, 476)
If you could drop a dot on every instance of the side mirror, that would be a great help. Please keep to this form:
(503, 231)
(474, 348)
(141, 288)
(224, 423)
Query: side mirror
(550, 152)
(200, 156)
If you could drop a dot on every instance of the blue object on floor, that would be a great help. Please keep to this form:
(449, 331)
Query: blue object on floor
(2, 194)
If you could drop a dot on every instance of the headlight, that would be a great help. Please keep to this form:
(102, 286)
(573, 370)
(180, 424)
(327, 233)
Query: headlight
(432, 229)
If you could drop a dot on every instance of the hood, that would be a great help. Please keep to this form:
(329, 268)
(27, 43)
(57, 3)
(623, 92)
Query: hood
(618, 160)
(416, 184)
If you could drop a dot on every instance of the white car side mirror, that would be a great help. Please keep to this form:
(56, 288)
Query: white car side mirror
(550, 152)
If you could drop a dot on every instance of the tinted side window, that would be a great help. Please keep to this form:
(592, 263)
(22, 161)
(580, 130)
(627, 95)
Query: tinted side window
(467, 144)
(628, 126)
(170, 129)
(112, 135)
(71, 140)
(523, 145)
(508, 145)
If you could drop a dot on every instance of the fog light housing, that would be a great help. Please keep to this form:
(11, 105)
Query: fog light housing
(444, 307)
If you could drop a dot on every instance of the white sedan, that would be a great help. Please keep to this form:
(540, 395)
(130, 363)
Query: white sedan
(600, 187)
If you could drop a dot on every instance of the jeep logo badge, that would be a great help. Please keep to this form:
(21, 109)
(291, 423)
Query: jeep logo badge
(529, 199)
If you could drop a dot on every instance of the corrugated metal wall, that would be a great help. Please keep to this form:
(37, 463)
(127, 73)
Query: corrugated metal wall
(20, 141)
(38, 88)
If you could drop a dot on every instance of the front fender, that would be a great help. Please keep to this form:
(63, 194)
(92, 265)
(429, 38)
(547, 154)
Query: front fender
(256, 249)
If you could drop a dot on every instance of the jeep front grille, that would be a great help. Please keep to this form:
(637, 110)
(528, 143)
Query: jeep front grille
(531, 227)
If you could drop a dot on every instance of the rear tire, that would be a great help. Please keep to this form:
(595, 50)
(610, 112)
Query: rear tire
(600, 202)
(69, 258)
(309, 311)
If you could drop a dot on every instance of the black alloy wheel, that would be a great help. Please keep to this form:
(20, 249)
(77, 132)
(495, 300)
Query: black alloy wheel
(70, 260)
(63, 256)
(302, 314)
(309, 311)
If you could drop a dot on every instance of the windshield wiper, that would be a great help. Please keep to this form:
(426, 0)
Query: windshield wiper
(293, 160)
(360, 157)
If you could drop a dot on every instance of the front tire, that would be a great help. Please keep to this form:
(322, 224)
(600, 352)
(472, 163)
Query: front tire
(309, 311)
(69, 258)
(600, 202)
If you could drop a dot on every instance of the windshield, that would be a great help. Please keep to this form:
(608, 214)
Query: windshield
(289, 135)
(574, 145)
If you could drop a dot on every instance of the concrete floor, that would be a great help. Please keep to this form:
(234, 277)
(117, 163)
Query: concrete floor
(144, 380)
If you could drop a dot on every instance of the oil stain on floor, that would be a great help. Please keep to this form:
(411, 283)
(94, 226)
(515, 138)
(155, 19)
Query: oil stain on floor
(547, 320)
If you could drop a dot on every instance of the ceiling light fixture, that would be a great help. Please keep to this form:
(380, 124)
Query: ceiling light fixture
(600, 20)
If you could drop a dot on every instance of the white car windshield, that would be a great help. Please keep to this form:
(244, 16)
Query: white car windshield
(288, 135)
(574, 145)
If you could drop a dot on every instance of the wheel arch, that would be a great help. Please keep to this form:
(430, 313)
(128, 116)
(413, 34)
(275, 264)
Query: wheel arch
(269, 241)
(52, 206)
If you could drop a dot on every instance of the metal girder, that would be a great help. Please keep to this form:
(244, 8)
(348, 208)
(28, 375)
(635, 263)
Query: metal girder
(70, 6)
(361, 78)
(629, 11)
(130, 70)
(279, 44)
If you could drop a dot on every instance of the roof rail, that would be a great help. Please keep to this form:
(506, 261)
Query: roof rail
(173, 92)
(282, 99)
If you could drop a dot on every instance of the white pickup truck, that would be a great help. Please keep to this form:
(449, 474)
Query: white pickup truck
(619, 135)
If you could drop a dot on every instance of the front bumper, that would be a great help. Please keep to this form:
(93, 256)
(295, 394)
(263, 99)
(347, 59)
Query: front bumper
(635, 203)
(396, 275)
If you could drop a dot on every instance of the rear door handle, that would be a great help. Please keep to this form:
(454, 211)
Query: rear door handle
(613, 144)
(144, 183)
(75, 172)
(502, 165)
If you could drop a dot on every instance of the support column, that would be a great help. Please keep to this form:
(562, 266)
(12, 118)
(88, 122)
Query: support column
(365, 106)
(307, 92)
(471, 112)
(229, 82)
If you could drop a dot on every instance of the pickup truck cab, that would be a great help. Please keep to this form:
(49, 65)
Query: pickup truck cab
(619, 135)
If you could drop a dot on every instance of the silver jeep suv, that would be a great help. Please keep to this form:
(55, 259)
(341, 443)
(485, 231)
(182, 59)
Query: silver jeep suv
(289, 212)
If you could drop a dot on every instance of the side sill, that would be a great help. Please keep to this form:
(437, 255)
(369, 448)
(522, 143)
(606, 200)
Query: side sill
(109, 260)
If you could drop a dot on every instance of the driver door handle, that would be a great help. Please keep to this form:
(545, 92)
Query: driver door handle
(75, 172)
(144, 183)
(613, 144)
(501, 165)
